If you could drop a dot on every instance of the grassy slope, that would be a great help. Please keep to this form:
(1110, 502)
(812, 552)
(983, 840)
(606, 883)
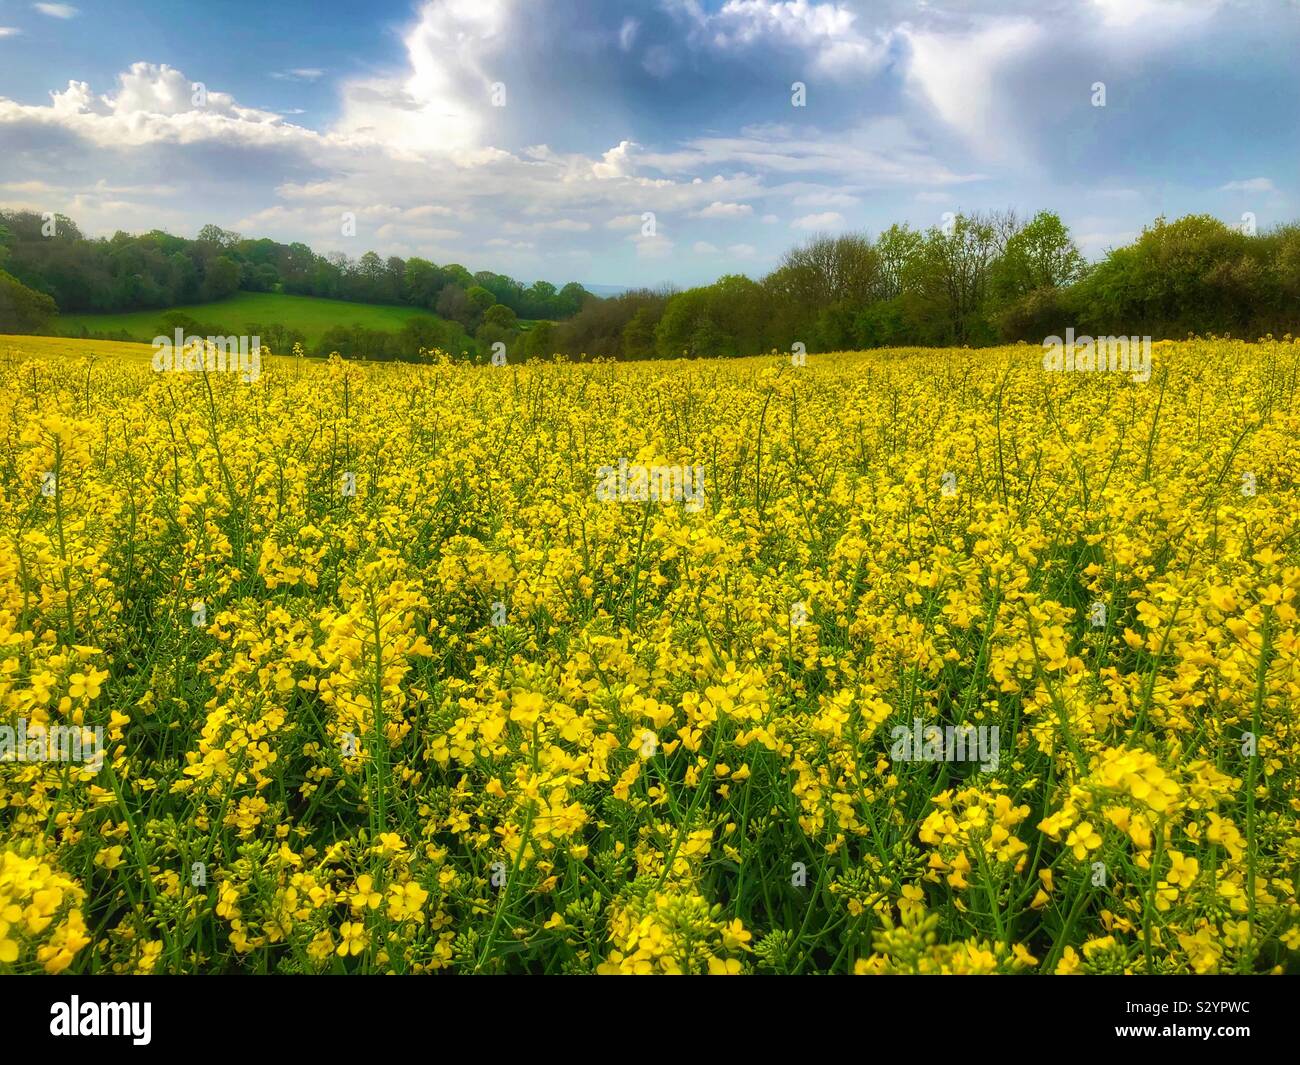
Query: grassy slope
(306, 314)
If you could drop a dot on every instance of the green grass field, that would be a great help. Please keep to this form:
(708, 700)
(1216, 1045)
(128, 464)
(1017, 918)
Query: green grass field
(306, 314)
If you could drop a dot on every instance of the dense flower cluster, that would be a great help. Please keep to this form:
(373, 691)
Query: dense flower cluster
(386, 685)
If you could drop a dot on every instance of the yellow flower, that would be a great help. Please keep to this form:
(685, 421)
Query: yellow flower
(406, 900)
(352, 938)
(364, 896)
(1082, 839)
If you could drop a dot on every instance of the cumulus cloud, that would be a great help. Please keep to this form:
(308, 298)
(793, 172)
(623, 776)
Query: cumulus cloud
(825, 220)
(152, 102)
(826, 32)
(442, 101)
(617, 162)
(63, 11)
(717, 209)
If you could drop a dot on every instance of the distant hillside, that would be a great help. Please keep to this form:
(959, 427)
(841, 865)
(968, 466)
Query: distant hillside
(307, 315)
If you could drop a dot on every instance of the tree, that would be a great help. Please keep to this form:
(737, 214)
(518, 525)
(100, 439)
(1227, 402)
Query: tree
(639, 333)
(827, 270)
(539, 342)
(707, 340)
(23, 310)
(729, 317)
(598, 327)
(501, 316)
(480, 298)
(222, 279)
(1040, 255)
(570, 300)
(539, 300)
(1190, 275)
(896, 249)
(951, 274)
(422, 332)
(421, 283)
(455, 305)
(222, 238)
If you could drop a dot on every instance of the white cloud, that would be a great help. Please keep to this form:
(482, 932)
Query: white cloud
(703, 247)
(152, 104)
(63, 11)
(826, 220)
(627, 33)
(825, 199)
(1259, 184)
(717, 209)
(617, 162)
(963, 77)
(656, 247)
(442, 100)
(880, 153)
(9, 31)
(299, 74)
(826, 31)
(1167, 14)
(742, 251)
(624, 221)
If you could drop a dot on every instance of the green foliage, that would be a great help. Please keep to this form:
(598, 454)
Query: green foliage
(501, 316)
(158, 270)
(23, 310)
(539, 342)
(980, 279)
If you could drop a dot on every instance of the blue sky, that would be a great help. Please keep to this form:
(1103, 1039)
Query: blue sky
(677, 108)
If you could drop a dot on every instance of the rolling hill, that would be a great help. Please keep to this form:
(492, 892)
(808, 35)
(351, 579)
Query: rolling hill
(308, 315)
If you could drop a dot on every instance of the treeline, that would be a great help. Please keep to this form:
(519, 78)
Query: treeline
(128, 272)
(981, 279)
(422, 333)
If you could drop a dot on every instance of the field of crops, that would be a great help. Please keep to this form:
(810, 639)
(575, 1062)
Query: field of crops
(637, 668)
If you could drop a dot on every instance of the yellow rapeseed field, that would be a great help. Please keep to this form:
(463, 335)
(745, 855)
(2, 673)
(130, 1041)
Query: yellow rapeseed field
(911, 661)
